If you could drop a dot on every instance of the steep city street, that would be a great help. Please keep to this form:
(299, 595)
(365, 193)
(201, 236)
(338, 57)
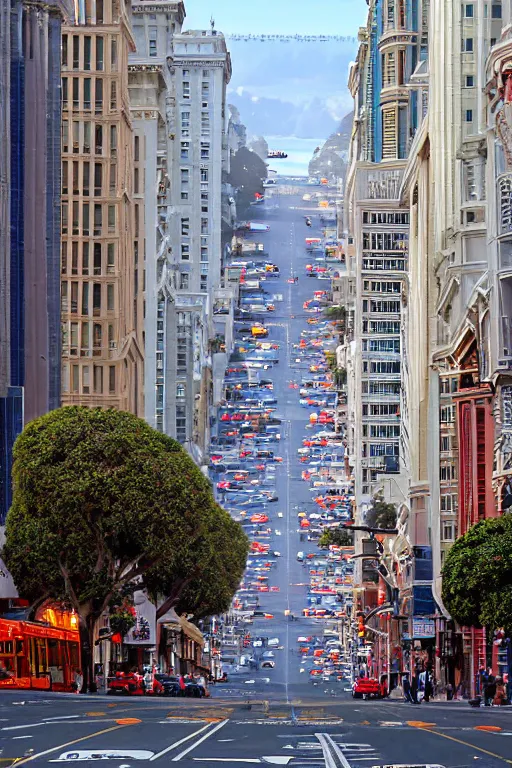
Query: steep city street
(285, 245)
(275, 716)
(47, 729)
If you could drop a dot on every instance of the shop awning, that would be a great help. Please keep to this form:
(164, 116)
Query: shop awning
(191, 631)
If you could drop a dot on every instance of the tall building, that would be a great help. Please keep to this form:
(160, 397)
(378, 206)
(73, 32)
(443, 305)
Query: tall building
(102, 342)
(455, 387)
(151, 95)
(30, 119)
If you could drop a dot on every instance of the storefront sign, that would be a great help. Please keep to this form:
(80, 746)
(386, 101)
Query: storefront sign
(423, 628)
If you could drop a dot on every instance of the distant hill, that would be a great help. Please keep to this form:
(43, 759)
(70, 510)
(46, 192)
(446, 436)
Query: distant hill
(291, 89)
(331, 159)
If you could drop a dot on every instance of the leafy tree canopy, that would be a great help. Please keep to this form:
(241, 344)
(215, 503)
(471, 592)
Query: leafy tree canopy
(477, 575)
(247, 173)
(381, 515)
(100, 499)
(338, 536)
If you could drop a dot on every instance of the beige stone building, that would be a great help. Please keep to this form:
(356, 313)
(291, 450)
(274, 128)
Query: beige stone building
(102, 341)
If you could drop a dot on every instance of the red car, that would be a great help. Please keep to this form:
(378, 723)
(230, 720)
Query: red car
(366, 688)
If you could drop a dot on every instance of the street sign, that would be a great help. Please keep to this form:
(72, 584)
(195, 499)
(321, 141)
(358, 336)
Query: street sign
(423, 628)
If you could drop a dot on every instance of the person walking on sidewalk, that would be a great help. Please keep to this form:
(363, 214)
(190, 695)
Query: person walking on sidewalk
(489, 688)
(406, 687)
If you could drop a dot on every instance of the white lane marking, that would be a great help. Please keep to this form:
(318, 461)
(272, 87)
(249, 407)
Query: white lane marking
(77, 755)
(61, 717)
(226, 760)
(19, 727)
(180, 742)
(328, 747)
(15, 738)
(200, 741)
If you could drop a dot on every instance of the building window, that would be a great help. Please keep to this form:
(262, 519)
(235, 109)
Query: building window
(467, 45)
(186, 89)
(111, 218)
(470, 81)
(98, 220)
(112, 379)
(99, 54)
(448, 503)
(86, 384)
(468, 11)
(111, 258)
(185, 145)
(180, 390)
(76, 52)
(113, 55)
(496, 11)
(85, 302)
(185, 252)
(98, 98)
(96, 300)
(110, 297)
(469, 116)
(87, 94)
(184, 195)
(205, 150)
(203, 284)
(98, 139)
(447, 531)
(185, 227)
(98, 179)
(98, 379)
(96, 259)
(204, 253)
(86, 174)
(184, 281)
(204, 174)
(206, 73)
(113, 96)
(152, 41)
(113, 141)
(64, 51)
(85, 258)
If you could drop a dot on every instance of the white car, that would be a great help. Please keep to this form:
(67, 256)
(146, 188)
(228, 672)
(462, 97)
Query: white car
(257, 643)
(273, 642)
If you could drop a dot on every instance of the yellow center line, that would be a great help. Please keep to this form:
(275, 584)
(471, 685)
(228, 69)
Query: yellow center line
(468, 744)
(67, 744)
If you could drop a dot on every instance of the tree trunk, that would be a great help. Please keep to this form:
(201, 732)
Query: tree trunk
(86, 631)
(85, 653)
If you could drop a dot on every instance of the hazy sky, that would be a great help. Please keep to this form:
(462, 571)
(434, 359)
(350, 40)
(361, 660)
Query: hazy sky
(274, 17)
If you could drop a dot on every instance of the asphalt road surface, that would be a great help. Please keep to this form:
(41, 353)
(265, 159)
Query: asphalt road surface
(45, 729)
(285, 245)
(280, 718)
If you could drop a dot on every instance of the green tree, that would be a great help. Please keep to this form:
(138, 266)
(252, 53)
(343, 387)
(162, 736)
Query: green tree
(340, 537)
(477, 575)
(381, 515)
(336, 313)
(102, 502)
(246, 175)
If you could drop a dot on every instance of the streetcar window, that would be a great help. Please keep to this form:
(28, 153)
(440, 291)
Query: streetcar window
(55, 654)
(73, 655)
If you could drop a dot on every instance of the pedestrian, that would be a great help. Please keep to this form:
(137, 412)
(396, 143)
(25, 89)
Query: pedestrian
(429, 687)
(414, 689)
(182, 684)
(406, 687)
(79, 680)
(449, 692)
(489, 688)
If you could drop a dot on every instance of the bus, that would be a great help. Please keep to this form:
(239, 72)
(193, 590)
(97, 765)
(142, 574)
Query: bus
(38, 656)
